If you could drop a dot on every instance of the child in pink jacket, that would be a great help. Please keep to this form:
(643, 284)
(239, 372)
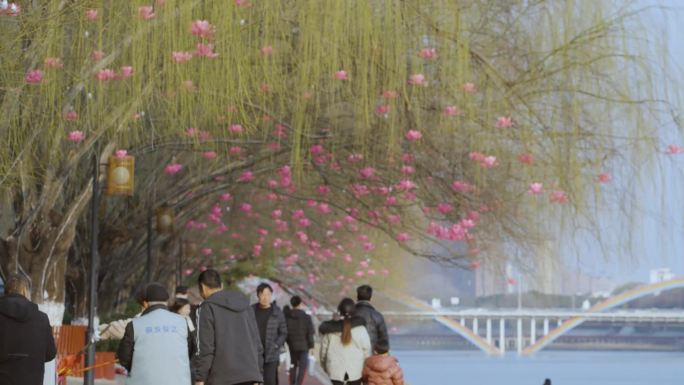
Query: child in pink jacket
(381, 368)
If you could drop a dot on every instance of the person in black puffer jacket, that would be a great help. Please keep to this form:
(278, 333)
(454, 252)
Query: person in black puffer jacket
(300, 339)
(375, 322)
(272, 328)
(26, 341)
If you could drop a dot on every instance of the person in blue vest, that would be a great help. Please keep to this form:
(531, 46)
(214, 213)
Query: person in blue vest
(157, 346)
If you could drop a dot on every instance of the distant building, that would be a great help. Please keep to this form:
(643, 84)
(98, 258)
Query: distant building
(661, 275)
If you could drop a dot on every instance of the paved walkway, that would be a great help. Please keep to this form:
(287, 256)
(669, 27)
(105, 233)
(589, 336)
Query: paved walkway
(318, 379)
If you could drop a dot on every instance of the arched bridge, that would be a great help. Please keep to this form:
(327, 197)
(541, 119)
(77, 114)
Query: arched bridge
(566, 320)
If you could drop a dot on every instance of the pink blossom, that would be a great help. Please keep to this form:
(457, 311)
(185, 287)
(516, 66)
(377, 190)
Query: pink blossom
(311, 203)
(71, 116)
(382, 110)
(209, 155)
(34, 77)
(410, 196)
(245, 207)
(394, 219)
(535, 188)
(526, 158)
(242, 3)
(272, 184)
(428, 53)
(407, 170)
(54, 62)
(360, 274)
(355, 158)
(469, 88)
(120, 153)
(402, 237)
(316, 149)
(674, 149)
(246, 176)
(341, 75)
(389, 94)
(225, 197)
(406, 157)
(96, 55)
(445, 208)
(106, 75)
(605, 177)
(367, 172)
(451, 111)
(235, 151)
(256, 250)
(460, 186)
(266, 50)
(191, 131)
(417, 80)
(91, 14)
(323, 189)
(207, 251)
(368, 246)
(235, 128)
(489, 162)
(146, 12)
(126, 71)
(324, 208)
(205, 50)
(406, 184)
(76, 136)
(203, 29)
(390, 201)
(558, 197)
(504, 122)
(173, 168)
(181, 56)
(413, 135)
(476, 156)
(304, 222)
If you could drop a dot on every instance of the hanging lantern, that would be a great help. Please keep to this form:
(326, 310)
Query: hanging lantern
(120, 175)
(165, 219)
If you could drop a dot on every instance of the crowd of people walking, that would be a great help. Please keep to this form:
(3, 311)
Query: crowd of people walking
(222, 341)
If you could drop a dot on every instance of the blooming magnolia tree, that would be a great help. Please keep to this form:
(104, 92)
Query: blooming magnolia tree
(291, 137)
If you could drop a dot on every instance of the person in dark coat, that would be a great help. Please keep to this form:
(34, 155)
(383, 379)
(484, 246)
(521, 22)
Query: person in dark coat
(300, 339)
(272, 327)
(229, 349)
(157, 346)
(375, 322)
(26, 341)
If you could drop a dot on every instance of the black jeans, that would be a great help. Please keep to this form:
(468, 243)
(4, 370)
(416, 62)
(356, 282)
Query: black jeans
(271, 373)
(300, 362)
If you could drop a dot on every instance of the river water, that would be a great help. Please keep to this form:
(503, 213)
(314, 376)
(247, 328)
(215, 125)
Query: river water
(563, 368)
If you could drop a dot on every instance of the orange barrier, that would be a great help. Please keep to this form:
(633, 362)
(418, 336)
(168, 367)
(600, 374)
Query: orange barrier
(70, 341)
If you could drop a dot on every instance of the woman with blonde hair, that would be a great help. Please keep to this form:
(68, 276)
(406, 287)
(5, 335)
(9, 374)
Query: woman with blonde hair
(345, 345)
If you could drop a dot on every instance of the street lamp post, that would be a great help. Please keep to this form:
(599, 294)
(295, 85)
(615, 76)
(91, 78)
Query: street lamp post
(89, 376)
(120, 170)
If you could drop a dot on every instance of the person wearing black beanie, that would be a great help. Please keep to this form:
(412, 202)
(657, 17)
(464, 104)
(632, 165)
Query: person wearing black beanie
(155, 339)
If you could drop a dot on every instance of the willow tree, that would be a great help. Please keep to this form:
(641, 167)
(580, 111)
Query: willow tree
(460, 106)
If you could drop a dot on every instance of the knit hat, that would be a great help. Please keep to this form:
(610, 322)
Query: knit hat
(155, 292)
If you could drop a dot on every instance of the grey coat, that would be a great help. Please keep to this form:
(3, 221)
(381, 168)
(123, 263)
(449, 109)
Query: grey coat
(229, 348)
(276, 334)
